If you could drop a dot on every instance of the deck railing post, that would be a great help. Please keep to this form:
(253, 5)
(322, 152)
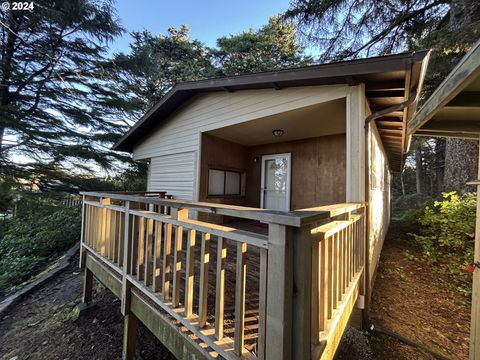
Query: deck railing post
(302, 291)
(279, 294)
(81, 263)
(127, 248)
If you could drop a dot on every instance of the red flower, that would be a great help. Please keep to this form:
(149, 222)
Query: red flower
(470, 268)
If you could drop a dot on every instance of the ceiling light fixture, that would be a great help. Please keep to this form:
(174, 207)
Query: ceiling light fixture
(278, 132)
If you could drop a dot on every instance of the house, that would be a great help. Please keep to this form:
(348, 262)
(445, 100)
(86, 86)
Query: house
(279, 186)
(453, 111)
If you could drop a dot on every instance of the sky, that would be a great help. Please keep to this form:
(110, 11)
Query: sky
(207, 19)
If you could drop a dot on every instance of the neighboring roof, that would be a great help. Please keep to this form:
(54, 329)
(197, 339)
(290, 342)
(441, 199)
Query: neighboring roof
(389, 80)
(453, 110)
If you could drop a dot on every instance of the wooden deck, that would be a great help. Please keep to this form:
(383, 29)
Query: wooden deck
(282, 288)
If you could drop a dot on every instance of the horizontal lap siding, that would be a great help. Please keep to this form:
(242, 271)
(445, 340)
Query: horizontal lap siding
(379, 197)
(174, 174)
(205, 112)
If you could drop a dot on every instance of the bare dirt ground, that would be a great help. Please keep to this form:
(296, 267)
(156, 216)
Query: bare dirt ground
(409, 299)
(412, 300)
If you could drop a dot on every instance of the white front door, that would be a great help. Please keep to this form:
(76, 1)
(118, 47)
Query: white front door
(275, 182)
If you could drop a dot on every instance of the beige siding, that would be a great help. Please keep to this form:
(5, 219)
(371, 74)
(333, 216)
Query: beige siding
(181, 132)
(379, 196)
(173, 174)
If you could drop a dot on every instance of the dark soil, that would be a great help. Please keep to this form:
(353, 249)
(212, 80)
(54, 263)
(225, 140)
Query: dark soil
(409, 299)
(45, 325)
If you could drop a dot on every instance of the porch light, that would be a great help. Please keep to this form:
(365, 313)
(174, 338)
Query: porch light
(278, 132)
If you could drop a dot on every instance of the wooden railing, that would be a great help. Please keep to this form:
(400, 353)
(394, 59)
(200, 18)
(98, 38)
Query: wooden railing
(300, 277)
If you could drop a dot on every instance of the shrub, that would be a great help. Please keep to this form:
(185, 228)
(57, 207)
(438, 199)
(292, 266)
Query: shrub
(37, 235)
(448, 233)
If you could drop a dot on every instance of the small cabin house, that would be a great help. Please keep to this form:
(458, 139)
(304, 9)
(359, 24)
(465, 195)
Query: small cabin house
(283, 175)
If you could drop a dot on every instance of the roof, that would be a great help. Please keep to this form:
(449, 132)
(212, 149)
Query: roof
(453, 110)
(389, 80)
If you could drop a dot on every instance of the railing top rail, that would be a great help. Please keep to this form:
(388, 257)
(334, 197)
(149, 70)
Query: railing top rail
(295, 218)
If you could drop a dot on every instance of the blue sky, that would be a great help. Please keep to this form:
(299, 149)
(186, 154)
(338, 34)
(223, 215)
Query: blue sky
(207, 19)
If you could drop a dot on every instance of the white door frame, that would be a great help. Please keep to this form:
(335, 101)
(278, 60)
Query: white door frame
(288, 156)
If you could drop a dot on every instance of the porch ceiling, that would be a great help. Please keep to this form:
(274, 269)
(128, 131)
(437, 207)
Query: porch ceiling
(322, 119)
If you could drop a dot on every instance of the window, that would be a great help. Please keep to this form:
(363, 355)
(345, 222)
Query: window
(224, 182)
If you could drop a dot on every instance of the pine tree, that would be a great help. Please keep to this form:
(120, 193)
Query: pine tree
(273, 46)
(56, 114)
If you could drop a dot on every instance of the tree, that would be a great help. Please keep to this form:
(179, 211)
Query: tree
(55, 112)
(274, 46)
(156, 63)
(345, 29)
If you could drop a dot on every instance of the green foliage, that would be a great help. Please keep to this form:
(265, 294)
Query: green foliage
(41, 230)
(274, 46)
(6, 193)
(410, 207)
(132, 179)
(448, 232)
(55, 105)
(156, 63)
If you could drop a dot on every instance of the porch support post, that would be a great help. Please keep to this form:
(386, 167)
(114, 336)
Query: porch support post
(357, 176)
(475, 319)
(130, 330)
(356, 143)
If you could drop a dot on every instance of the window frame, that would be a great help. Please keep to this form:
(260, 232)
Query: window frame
(224, 169)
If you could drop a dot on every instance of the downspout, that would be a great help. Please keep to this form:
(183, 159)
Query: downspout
(413, 97)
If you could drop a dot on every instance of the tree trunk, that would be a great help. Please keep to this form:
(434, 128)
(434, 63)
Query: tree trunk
(420, 181)
(460, 163)
(439, 165)
(461, 156)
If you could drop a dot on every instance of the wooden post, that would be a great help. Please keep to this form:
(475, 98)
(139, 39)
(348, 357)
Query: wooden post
(87, 286)
(81, 263)
(127, 248)
(302, 295)
(279, 294)
(130, 330)
(475, 318)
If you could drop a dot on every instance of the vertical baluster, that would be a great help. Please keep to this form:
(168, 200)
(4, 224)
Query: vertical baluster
(336, 271)
(346, 260)
(141, 248)
(341, 264)
(240, 299)
(113, 235)
(262, 304)
(354, 247)
(330, 246)
(189, 272)
(94, 229)
(121, 239)
(104, 228)
(220, 287)
(323, 284)
(166, 261)
(88, 224)
(177, 266)
(148, 253)
(134, 248)
(315, 303)
(157, 255)
(352, 253)
(98, 230)
(204, 264)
